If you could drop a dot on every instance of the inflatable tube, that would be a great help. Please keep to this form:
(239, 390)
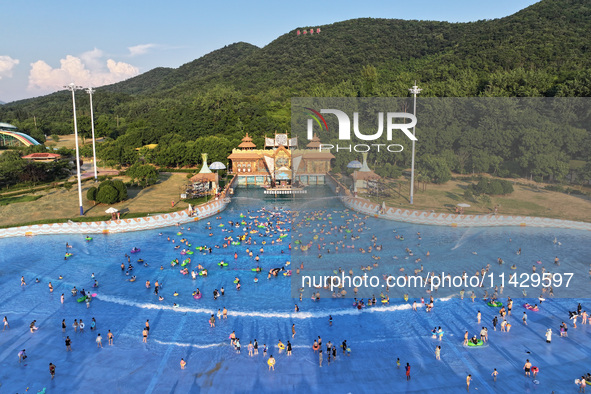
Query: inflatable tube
(236, 281)
(235, 243)
(135, 250)
(221, 225)
(297, 242)
(68, 255)
(88, 239)
(223, 264)
(81, 299)
(190, 252)
(183, 252)
(256, 280)
(531, 307)
(183, 272)
(173, 263)
(197, 296)
(496, 304)
(480, 343)
(179, 233)
(202, 273)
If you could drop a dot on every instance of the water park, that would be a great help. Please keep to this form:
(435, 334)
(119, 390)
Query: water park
(214, 299)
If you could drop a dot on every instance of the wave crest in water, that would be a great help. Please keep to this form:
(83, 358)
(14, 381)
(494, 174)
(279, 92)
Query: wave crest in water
(262, 314)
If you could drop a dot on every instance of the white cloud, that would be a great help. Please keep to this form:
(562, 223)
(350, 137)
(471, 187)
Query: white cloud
(140, 49)
(92, 59)
(86, 70)
(6, 65)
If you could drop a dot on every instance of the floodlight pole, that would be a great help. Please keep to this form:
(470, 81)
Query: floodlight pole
(90, 91)
(414, 90)
(72, 87)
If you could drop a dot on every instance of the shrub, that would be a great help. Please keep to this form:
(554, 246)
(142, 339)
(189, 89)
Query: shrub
(55, 137)
(495, 188)
(107, 194)
(554, 188)
(507, 187)
(121, 189)
(468, 195)
(91, 194)
(67, 185)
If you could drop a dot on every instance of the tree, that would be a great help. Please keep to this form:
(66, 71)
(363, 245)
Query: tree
(435, 168)
(145, 174)
(33, 172)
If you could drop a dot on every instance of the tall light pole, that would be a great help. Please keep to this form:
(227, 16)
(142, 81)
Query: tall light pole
(414, 91)
(72, 87)
(90, 91)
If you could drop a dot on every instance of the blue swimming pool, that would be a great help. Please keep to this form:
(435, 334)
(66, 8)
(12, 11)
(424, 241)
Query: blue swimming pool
(264, 310)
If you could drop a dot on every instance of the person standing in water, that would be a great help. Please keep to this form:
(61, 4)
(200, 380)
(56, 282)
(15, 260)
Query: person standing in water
(527, 367)
(468, 380)
(407, 368)
(52, 370)
(495, 374)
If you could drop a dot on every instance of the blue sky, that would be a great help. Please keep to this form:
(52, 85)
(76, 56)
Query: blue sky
(46, 44)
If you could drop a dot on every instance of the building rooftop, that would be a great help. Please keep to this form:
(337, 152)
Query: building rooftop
(42, 155)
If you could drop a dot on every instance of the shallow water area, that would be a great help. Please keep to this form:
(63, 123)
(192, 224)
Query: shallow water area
(264, 310)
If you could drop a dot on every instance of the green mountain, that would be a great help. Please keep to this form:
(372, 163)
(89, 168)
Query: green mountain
(162, 78)
(540, 51)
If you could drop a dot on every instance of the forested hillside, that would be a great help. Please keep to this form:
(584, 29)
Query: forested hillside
(541, 51)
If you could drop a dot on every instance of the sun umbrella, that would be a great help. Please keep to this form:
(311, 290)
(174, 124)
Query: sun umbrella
(216, 165)
(354, 164)
(112, 210)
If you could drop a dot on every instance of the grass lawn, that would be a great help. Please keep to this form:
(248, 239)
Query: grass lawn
(54, 204)
(13, 200)
(526, 200)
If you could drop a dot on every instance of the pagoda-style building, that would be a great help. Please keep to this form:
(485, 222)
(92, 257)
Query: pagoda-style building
(203, 182)
(280, 163)
(363, 177)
